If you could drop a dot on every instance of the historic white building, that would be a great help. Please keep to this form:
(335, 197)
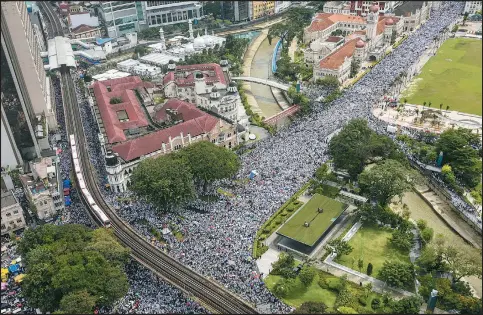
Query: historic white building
(365, 38)
(472, 7)
(207, 86)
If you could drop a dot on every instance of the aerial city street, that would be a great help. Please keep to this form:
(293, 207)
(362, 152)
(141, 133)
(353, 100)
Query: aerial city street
(241, 157)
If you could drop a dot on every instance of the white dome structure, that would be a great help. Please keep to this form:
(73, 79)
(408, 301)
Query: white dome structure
(189, 48)
(209, 42)
(199, 43)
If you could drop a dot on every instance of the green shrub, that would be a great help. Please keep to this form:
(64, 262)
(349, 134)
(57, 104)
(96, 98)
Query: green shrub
(334, 285)
(323, 283)
(266, 230)
(297, 202)
(289, 209)
(283, 214)
(278, 221)
(362, 301)
(261, 238)
(376, 303)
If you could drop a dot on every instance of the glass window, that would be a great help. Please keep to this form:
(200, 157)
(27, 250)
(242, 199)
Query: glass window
(153, 20)
(190, 14)
(175, 17)
(180, 16)
(158, 18)
(164, 18)
(195, 13)
(185, 15)
(169, 18)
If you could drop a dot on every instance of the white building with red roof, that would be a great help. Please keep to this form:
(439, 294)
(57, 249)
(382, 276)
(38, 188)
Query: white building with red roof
(207, 86)
(128, 134)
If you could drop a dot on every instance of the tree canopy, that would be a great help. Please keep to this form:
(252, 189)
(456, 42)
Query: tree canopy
(209, 162)
(165, 181)
(397, 274)
(460, 149)
(356, 143)
(71, 269)
(311, 308)
(339, 247)
(386, 180)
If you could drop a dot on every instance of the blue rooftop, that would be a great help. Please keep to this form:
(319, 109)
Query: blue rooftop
(102, 41)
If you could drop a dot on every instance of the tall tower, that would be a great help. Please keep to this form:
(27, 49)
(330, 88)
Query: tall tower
(372, 19)
(190, 25)
(161, 37)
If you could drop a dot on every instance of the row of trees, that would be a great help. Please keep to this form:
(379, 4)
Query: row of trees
(175, 178)
(70, 269)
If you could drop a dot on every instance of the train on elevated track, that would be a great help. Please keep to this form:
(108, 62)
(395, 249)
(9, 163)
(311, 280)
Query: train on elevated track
(100, 215)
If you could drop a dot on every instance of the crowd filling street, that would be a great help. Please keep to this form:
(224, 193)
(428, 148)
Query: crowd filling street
(217, 238)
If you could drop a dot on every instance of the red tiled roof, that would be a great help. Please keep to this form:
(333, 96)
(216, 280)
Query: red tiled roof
(144, 145)
(381, 24)
(324, 20)
(333, 39)
(168, 77)
(123, 88)
(190, 80)
(336, 59)
(82, 28)
(187, 110)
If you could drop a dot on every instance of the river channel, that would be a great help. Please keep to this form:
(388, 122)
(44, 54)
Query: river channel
(261, 68)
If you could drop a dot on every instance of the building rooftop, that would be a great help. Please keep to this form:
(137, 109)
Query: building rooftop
(160, 59)
(82, 28)
(60, 53)
(199, 123)
(324, 20)
(212, 73)
(408, 8)
(8, 199)
(110, 74)
(336, 59)
(114, 115)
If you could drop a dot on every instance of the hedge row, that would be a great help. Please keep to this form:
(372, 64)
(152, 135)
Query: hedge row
(278, 218)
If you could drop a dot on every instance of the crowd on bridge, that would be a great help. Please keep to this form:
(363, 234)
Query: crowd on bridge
(217, 238)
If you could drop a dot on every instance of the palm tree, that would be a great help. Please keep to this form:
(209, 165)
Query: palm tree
(447, 107)
(424, 104)
(429, 104)
(440, 106)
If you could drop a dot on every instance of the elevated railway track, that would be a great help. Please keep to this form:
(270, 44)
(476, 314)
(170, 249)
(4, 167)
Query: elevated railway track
(214, 297)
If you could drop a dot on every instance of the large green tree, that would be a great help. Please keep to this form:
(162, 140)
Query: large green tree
(311, 308)
(77, 302)
(209, 162)
(165, 181)
(397, 274)
(460, 150)
(339, 247)
(69, 262)
(386, 180)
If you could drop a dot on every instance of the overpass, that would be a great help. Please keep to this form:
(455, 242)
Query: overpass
(274, 84)
(283, 114)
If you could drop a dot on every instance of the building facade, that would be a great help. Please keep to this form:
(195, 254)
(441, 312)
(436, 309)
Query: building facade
(85, 31)
(236, 11)
(205, 85)
(11, 157)
(262, 8)
(171, 12)
(25, 87)
(337, 7)
(472, 7)
(281, 6)
(43, 189)
(12, 213)
(362, 8)
(123, 17)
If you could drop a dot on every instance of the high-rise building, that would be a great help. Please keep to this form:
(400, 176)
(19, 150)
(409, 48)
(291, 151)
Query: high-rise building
(236, 11)
(123, 17)
(171, 12)
(25, 99)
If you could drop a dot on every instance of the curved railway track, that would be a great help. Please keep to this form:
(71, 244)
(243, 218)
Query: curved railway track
(211, 295)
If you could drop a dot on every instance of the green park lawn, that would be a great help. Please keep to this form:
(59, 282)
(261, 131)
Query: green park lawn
(294, 228)
(371, 243)
(451, 77)
(315, 293)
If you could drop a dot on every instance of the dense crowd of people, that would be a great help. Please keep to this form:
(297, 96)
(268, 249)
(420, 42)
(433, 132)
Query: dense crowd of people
(217, 240)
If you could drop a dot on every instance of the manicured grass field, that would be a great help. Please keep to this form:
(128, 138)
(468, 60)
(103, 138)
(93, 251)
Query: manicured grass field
(314, 293)
(319, 222)
(371, 243)
(451, 77)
